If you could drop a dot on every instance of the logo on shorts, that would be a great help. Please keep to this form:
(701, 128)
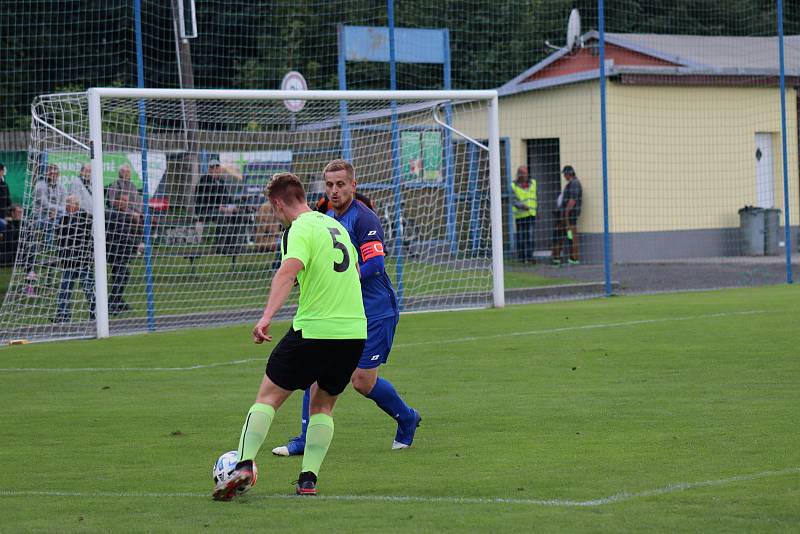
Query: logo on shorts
(375, 357)
(373, 232)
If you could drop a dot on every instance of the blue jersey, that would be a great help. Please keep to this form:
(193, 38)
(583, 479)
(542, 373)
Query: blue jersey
(366, 234)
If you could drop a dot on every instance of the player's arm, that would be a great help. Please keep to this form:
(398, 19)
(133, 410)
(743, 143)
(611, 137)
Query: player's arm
(279, 291)
(369, 236)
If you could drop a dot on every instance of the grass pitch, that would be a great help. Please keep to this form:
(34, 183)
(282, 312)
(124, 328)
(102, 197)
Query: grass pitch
(653, 413)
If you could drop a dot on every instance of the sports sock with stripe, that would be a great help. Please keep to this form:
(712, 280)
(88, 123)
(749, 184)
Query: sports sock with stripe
(255, 429)
(318, 439)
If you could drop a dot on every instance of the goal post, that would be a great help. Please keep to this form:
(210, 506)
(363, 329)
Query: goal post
(180, 248)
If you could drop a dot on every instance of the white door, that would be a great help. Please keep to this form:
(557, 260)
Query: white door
(765, 181)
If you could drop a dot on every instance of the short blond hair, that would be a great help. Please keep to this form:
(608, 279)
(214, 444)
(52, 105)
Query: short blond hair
(340, 165)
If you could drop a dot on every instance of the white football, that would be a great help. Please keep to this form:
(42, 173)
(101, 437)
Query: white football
(225, 465)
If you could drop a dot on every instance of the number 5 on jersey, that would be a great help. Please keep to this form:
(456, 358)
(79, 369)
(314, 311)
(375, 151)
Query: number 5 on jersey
(345, 263)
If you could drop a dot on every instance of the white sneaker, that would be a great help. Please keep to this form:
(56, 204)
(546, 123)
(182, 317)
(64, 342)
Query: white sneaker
(283, 450)
(395, 445)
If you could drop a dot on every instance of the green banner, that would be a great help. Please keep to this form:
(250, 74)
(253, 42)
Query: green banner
(431, 156)
(421, 156)
(69, 165)
(410, 156)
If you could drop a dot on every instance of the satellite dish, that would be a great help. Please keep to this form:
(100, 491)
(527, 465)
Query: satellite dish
(574, 30)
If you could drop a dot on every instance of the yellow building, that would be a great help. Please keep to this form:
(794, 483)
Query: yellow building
(693, 135)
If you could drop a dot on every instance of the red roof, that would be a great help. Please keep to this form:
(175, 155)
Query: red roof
(586, 59)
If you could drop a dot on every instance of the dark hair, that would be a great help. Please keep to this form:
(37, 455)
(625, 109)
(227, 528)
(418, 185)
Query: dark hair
(287, 187)
(2, 167)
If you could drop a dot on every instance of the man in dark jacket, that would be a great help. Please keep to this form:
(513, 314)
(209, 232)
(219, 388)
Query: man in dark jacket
(9, 240)
(76, 257)
(5, 198)
(123, 235)
(216, 201)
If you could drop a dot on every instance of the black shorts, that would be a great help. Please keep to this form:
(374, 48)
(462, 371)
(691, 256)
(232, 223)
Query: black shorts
(296, 363)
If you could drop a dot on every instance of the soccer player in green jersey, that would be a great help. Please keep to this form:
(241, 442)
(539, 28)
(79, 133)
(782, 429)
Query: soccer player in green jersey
(323, 346)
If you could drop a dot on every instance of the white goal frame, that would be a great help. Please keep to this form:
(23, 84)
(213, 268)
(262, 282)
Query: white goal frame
(96, 95)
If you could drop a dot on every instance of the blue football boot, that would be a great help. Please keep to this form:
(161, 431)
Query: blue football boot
(295, 447)
(406, 431)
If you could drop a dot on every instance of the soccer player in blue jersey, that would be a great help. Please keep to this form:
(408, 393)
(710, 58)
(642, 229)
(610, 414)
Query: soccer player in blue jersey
(380, 306)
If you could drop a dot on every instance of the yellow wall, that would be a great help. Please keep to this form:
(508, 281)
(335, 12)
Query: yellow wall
(684, 157)
(679, 158)
(569, 113)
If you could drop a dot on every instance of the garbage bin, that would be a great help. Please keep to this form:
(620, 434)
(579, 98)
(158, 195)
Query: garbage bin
(751, 226)
(772, 231)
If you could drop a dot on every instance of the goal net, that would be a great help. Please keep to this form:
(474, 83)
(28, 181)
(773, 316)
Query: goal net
(144, 209)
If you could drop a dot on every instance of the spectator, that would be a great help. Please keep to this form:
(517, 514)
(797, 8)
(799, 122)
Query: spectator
(48, 207)
(568, 210)
(48, 197)
(10, 238)
(82, 188)
(215, 201)
(123, 234)
(524, 209)
(124, 185)
(76, 258)
(5, 199)
(268, 233)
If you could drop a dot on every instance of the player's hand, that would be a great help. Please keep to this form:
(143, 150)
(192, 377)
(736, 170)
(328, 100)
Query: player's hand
(261, 331)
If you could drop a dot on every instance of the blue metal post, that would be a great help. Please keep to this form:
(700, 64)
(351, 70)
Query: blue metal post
(398, 186)
(342, 70)
(604, 147)
(450, 200)
(151, 322)
(786, 219)
(512, 230)
(474, 197)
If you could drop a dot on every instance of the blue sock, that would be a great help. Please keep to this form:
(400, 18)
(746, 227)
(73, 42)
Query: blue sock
(387, 399)
(305, 416)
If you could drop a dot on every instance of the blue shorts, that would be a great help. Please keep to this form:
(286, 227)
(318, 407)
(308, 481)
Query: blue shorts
(380, 334)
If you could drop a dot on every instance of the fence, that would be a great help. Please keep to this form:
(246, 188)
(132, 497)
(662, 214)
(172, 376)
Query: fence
(675, 118)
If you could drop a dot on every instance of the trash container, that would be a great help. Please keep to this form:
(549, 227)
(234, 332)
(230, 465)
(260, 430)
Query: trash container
(751, 226)
(772, 231)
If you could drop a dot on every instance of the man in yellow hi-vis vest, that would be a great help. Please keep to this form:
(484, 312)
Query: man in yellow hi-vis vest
(524, 209)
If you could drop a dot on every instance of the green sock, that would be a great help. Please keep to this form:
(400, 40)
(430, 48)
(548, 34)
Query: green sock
(255, 430)
(318, 439)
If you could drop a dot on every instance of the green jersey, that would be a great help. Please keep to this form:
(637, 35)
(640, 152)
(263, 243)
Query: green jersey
(330, 304)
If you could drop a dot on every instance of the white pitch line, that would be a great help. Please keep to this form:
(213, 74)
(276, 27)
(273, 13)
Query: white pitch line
(396, 346)
(613, 499)
(126, 369)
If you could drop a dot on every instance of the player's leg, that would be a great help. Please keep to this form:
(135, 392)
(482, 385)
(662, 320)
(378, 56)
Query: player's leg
(341, 358)
(287, 370)
(256, 426)
(380, 334)
(318, 439)
(297, 444)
